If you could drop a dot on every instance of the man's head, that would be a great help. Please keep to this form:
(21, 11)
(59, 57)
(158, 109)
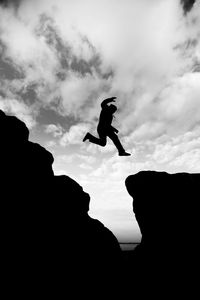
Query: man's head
(113, 108)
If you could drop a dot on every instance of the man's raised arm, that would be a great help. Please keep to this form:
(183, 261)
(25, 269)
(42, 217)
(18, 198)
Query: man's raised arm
(108, 100)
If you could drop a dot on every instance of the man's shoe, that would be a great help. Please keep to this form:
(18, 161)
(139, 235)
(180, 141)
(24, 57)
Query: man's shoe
(124, 153)
(86, 137)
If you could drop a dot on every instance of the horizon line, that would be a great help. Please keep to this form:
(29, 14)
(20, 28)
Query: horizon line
(127, 243)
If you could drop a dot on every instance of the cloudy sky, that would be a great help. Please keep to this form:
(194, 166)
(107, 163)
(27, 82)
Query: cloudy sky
(60, 58)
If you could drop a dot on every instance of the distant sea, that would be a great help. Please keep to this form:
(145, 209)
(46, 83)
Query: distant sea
(128, 246)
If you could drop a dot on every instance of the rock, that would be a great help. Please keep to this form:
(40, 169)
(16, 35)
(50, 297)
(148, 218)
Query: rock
(165, 207)
(49, 241)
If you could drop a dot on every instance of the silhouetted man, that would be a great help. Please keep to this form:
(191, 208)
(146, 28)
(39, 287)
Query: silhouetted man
(105, 128)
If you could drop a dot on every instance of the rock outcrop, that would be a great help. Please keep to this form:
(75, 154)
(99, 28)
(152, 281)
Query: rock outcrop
(48, 240)
(166, 209)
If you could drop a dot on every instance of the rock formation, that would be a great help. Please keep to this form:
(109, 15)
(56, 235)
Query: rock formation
(166, 209)
(49, 244)
(48, 239)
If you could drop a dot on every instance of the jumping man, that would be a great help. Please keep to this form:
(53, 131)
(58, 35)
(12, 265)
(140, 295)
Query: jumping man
(105, 129)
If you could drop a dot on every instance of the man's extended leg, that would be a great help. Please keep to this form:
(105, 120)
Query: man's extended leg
(113, 136)
(98, 141)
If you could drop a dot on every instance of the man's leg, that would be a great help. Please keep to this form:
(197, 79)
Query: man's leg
(113, 136)
(101, 141)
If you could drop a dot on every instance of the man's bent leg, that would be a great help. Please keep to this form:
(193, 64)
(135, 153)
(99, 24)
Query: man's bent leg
(98, 141)
(117, 144)
(113, 136)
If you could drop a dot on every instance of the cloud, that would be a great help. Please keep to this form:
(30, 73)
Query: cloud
(61, 159)
(175, 111)
(50, 144)
(75, 134)
(176, 154)
(182, 152)
(56, 130)
(86, 158)
(182, 111)
(85, 166)
(76, 53)
(76, 91)
(187, 5)
(14, 3)
(27, 49)
(19, 109)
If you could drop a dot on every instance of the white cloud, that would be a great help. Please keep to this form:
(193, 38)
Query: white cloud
(50, 144)
(75, 134)
(187, 162)
(61, 159)
(85, 166)
(180, 103)
(180, 153)
(86, 158)
(174, 154)
(138, 41)
(19, 109)
(90, 148)
(56, 130)
(77, 90)
(26, 49)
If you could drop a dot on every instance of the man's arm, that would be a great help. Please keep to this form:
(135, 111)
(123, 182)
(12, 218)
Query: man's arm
(108, 100)
(114, 129)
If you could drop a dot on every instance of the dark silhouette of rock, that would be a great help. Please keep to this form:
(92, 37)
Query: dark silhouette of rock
(49, 241)
(166, 209)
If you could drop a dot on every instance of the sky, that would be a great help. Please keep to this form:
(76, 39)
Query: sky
(60, 58)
